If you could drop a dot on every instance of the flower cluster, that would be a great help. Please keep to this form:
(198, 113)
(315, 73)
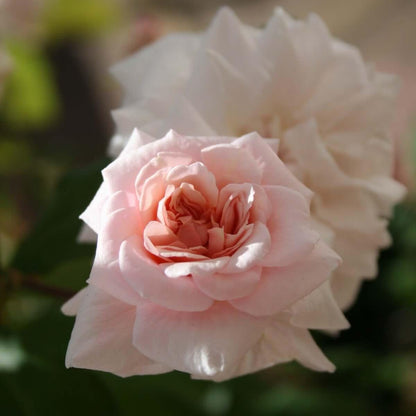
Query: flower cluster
(290, 81)
(221, 245)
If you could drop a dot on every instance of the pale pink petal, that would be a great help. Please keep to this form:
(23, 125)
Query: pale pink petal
(274, 171)
(92, 215)
(279, 343)
(161, 161)
(228, 286)
(306, 47)
(147, 279)
(102, 338)
(230, 164)
(194, 268)
(369, 110)
(231, 66)
(345, 75)
(251, 199)
(144, 74)
(304, 348)
(212, 98)
(156, 234)
(71, 306)
(289, 225)
(136, 140)
(280, 287)
(122, 173)
(252, 251)
(360, 251)
(318, 310)
(305, 146)
(184, 118)
(150, 194)
(345, 289)
(348, 209)
(201, 343)
(126, 120)
(198, 175)
(105, 272)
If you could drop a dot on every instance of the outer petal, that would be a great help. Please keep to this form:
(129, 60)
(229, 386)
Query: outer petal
(360, 251)
(121, 174)
(232, 69)
(184, 118)
(105, 272)
(144, 73)
(194, 268)
(202, 343)
(274, 171)
(280, 287)
(345, 75)
(71, 307)
(228, 286)
(230, 164)
(102, 338)
(280, 343)
(148, 280)
(289, 227)
(345, 289)
(92, 215)
(318, 310)
(298, 53)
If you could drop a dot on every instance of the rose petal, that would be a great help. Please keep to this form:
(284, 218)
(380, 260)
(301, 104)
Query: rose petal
(318, 310)
(149, 281)
(252, 251)
(195, 268)
(102, 338)
(289, 225)
(92, 215)
(279, 287)
(230, 164)
(198, 175)
(202, 343)
(280, 343)
(228, 286)
(306, 48)
(274, 171)
(345, 289)
(105, 272)
(71, 306)
(143, 73)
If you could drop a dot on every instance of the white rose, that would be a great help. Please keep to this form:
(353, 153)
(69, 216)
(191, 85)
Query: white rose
(291, 81)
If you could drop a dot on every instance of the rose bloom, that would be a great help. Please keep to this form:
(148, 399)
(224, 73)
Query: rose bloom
(206, 263)
(292, 81)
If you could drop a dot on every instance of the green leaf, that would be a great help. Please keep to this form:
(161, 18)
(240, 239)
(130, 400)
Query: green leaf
(53, 240)
(31, 98)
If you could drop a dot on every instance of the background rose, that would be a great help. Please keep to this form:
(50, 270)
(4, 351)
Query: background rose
(206, 263)
(290, 80)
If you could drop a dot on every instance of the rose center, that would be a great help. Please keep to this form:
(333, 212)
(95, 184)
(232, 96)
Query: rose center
(194, 229)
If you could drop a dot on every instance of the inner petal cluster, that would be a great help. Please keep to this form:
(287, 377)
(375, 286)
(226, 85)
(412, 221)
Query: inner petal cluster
(189, 225)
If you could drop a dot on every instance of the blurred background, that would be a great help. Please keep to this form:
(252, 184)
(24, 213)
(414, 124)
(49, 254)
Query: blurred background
(55, 101)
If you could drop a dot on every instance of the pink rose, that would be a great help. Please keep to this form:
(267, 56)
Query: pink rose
(206, 263)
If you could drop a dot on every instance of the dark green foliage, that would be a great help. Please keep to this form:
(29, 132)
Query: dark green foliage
(53, 241)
